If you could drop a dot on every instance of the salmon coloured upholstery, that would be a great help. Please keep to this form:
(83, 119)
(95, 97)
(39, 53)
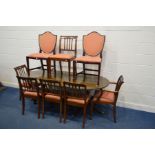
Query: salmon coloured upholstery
(47, 42)
(106, 97)
(31, 94)
(93, 43)
(77, 100)
(52, 97)
(61, 56)
(95, 59)
(39, 55)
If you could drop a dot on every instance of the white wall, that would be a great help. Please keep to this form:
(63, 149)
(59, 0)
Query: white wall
(129, 51)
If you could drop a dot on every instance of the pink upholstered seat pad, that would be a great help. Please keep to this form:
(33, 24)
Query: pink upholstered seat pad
(39, 55)
(106, 97)
(52, 97)
(77, 101)
(95, 59)
(30, 94)
(62, 56)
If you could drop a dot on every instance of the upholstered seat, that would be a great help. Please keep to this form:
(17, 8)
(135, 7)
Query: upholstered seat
(52, 97)
(89, 59)
(39, 55)
(31, 94)
(61, 56)
(77, 101)
(106, 97)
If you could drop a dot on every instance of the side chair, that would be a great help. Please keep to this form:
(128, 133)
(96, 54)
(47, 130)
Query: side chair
(29, 88)
(76, 95)
(93, 44)
(52, 92)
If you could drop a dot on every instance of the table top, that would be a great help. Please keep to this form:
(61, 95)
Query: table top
(90, 80)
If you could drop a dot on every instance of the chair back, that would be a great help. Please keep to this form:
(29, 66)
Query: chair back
(28, 84)
(51, 86)
(73, 90)
(93, 44)
(47, 42)
(21, 70)
(120, 81)
(68, 44)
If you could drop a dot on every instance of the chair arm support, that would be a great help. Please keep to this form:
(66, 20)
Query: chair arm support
(112, 91)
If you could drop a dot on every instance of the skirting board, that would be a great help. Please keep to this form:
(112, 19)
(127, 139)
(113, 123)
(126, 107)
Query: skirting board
(134, 106)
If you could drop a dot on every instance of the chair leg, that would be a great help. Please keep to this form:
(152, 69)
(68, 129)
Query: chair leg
(69, 67)
(60, 111)
(23, 105)
(84, 72)
(84, 117)
(38, 108)
(74, 70)
(28, 65)
(99, 70)
(114, 112)
(65, 112)
(60, 64)
(43, 102)
(42, 65)
(54, 67)
(91, 110)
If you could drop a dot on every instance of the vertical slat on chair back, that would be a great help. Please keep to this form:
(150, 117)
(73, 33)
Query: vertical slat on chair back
(68, 43)
(21, 70)
(28, 84)
(51, 86)
(120, 81)
(75, 90)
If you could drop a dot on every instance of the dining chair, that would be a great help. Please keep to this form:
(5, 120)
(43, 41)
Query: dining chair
(21, 70)
(67, 51)
(93, 44)
(75, 95)
(52, 92)
(108, 96)
(29, 88)
(47, 44)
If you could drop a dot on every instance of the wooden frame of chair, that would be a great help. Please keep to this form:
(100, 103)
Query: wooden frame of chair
(66, 44)
(85, 53)
(75, 95)
(44, 48)
(99, 96)
(51, 91)
(29, 88)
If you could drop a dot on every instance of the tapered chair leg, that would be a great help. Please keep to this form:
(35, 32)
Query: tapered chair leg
(65, 112)
(114, 112)
(84, 117)
(99, 69)
(38, 108)
(43, 102)
(91, 110)
(60, 111)
(69, 67)
(42, 65)
(28, 65)
(84, 72)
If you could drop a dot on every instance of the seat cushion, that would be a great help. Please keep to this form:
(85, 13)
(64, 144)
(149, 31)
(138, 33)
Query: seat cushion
(39, 55)
(62, 56)
(106, 97)
(31, 94)
(52, 97)
(88, 59)
(77, 101)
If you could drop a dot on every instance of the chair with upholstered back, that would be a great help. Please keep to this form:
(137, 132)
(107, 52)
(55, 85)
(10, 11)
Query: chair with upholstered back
(76, 95)
(29, 88)
(108, 96)
(47, 44)
(93, 45)
(67, 51)
(52, 92)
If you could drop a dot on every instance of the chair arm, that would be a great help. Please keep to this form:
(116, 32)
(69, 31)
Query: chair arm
(112, 91)
(112, 82)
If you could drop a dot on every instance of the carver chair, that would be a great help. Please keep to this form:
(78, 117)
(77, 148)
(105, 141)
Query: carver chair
(75, 95)
(21, 70)
(108, 96)
(93, 44)
(67, 51)
(29, 88)
(52, 92)
(47, 44)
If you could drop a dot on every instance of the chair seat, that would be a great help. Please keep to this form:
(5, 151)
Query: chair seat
(62, 56)
(105, 98)
(52, 97)
(76, 101)
(88, 59)
(31, 94)
(39, 55)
